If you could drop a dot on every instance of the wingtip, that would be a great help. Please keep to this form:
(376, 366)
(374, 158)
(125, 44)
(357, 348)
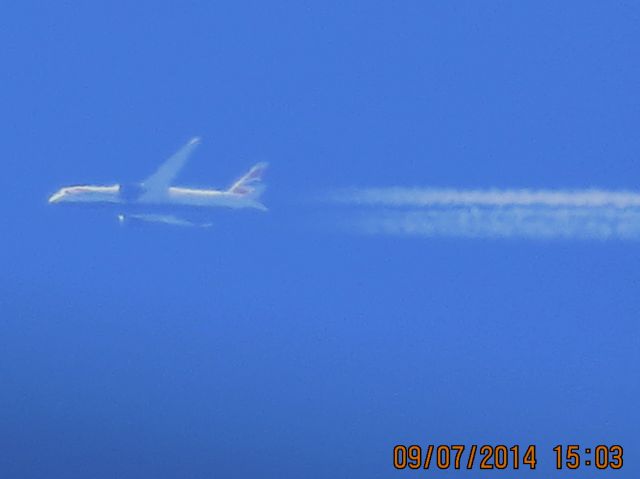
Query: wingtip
(263, 165)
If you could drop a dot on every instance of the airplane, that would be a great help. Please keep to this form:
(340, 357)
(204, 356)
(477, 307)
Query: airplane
(149, 200)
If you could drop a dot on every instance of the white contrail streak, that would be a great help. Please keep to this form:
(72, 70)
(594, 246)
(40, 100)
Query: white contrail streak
(536, 214)
(509, 222)
(397, 196)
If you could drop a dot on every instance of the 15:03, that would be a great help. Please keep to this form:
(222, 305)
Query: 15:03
(602, 457)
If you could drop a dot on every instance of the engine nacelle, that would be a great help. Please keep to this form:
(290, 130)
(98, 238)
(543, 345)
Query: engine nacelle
(131, 191)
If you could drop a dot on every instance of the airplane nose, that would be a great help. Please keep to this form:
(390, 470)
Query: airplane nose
(56, 197)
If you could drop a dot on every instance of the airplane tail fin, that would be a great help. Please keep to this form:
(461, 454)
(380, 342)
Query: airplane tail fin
(250, 185)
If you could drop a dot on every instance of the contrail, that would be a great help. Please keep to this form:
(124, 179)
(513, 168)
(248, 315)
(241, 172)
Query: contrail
(397, 196)
(510, 222)
(535, 214)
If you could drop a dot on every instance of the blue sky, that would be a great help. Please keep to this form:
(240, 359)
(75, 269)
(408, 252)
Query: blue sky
(271, 345)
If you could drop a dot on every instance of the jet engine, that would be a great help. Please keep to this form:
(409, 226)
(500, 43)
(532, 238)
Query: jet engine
(131, 191)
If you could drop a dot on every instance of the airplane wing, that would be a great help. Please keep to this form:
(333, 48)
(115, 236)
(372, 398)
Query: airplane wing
(162, 178)
(153, 218)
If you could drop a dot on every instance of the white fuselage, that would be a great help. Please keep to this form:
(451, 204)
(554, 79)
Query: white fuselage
(209, 198)
(174, 195)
